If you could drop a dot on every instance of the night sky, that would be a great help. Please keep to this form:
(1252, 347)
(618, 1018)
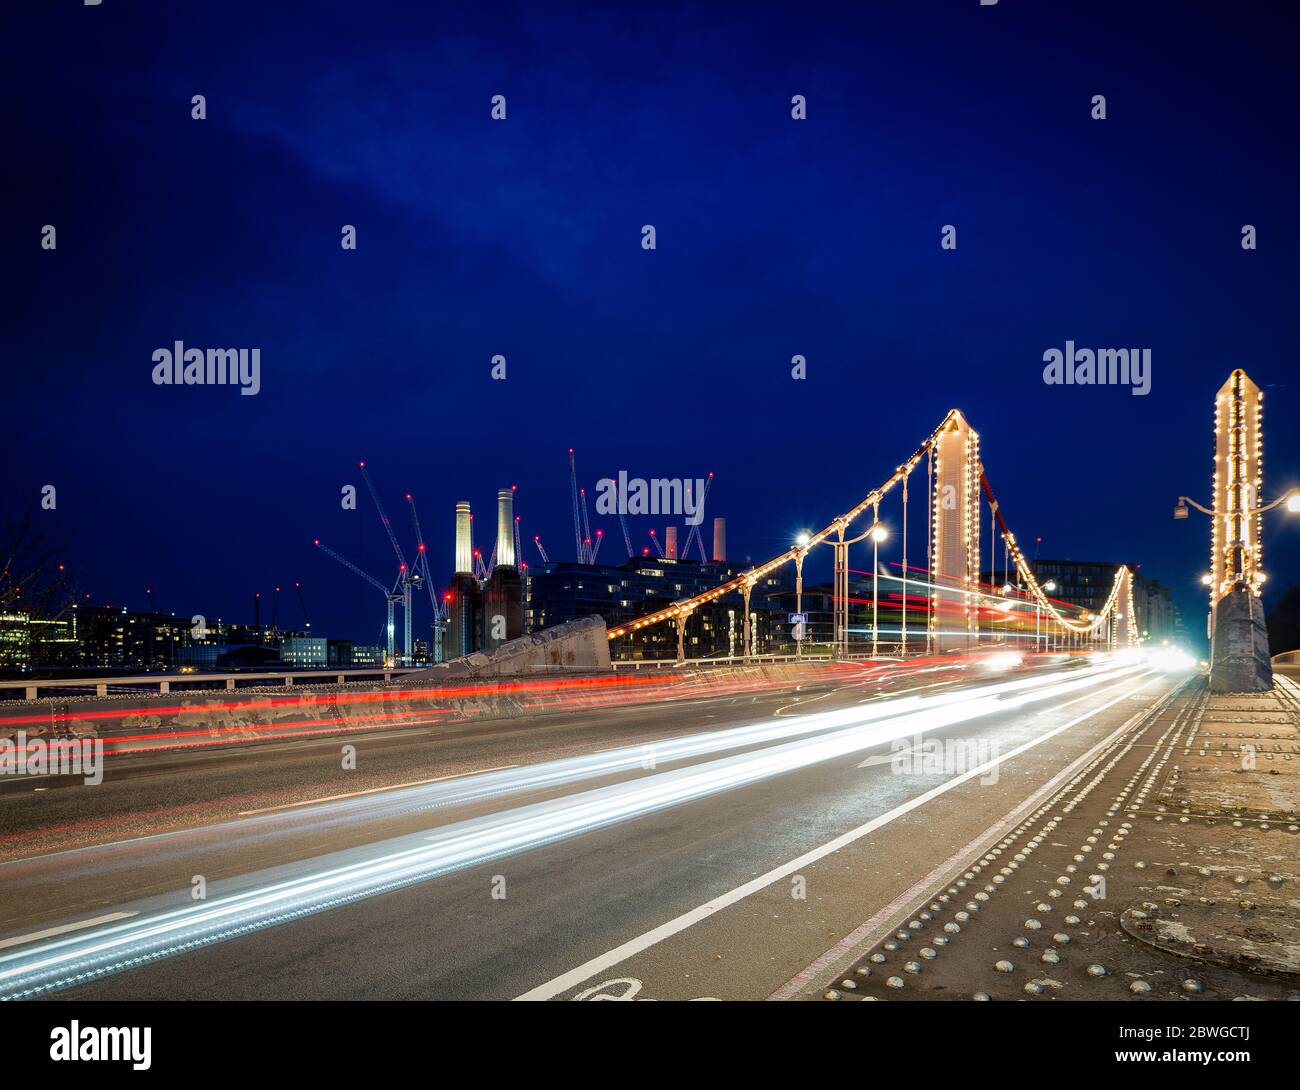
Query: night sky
(522, 237)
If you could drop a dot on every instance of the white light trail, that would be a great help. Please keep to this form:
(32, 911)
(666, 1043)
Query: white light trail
(405, 860)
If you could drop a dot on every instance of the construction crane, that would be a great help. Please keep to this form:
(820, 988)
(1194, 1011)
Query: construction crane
(302, 602)
(538, 542)
(694, 531)
(655, 538)
(600, 536)
(577, 517)
(590, 556)
(403, 570)
(422, 574)
(275, 610)
(622, 518)
(390, 597)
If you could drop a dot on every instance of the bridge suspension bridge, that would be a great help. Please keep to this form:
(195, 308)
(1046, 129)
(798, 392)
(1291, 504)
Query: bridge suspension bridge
(959, 608)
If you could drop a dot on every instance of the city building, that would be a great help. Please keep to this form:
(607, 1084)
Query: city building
(305, 651)
(1087, 584)
(619, 593)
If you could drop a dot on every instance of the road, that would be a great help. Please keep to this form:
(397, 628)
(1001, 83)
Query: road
(651, 851)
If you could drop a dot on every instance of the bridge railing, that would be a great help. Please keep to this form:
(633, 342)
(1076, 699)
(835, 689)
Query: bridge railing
(35, 688)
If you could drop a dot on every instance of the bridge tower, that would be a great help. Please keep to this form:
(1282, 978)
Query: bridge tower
(955, 537)
(1239, 654)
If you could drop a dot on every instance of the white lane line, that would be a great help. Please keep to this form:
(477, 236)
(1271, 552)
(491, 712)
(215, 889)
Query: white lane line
(879, 924)
(656, 935)
(50, 932)
(371, 791)
(1058, 707)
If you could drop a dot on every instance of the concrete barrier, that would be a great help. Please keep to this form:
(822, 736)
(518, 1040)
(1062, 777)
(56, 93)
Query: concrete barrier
(571, 679)
(576, 645)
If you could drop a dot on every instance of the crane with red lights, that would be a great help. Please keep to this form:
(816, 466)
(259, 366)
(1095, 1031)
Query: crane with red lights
(391, 597)
(403, 570)
(423, 575)
(695, 530)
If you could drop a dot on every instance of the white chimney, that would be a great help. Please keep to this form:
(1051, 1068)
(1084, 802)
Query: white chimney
(505, 527)
(464, 551)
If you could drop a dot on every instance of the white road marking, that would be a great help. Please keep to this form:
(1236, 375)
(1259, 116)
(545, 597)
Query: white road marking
(371, 791)
(619, 954)
(1058, 707)
(881, 923)
(885, 758)
(50, 932)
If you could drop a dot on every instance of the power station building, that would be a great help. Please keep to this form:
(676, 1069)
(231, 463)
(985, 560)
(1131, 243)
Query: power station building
(482, 615)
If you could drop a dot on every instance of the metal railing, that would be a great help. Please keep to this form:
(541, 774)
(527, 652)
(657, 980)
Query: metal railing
(33, 688)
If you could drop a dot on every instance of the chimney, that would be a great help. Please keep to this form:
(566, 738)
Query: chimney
(720, 539)
(464, 552)
(670, 543)
(505, 527)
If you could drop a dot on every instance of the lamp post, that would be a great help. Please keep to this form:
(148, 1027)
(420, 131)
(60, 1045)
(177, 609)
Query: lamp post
(878, 534)
(1240, 560)
(1048, 587)
(801, 542)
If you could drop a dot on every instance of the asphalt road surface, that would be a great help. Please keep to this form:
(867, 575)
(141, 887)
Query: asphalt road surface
(735, 847)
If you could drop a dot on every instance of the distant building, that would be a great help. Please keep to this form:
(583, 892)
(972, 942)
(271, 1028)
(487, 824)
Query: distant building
(224, 658)
(15, 641)
(1087, 584)
(556, 593)
(305, 651)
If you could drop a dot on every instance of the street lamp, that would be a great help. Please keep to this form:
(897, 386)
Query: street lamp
(1048, 587)
(1290, 498)
(878, 534)
(801, 542)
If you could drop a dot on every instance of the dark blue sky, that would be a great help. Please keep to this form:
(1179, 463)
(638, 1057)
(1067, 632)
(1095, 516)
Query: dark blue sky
(522, 238)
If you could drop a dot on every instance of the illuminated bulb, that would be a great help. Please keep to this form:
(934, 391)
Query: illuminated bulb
(1293, 502)
(879, 533)
(1207, 580)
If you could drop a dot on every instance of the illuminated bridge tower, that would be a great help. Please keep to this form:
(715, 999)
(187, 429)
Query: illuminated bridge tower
(955, 540)
(1239, 655)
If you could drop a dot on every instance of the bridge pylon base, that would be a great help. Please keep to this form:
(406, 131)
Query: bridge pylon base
(1239, 658)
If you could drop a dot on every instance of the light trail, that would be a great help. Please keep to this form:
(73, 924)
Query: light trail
(420, 857)
(395, 802)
